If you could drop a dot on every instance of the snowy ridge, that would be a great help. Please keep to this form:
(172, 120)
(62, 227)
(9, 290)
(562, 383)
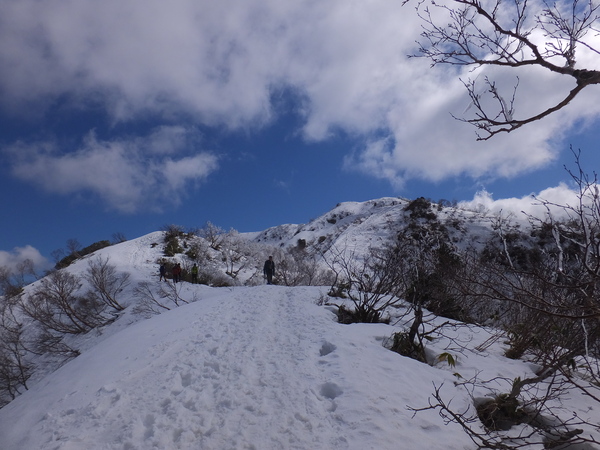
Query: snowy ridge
(355, 224)
(264, 367)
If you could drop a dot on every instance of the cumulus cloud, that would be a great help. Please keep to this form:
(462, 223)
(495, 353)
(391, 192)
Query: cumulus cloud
(529, 205)
(221, 62)
(128, 174)
(20, 255)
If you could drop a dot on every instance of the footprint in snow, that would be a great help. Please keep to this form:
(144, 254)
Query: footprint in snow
(331, 390)
(327, 348)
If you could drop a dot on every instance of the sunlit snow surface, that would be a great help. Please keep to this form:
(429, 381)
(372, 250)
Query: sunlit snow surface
(263, 367)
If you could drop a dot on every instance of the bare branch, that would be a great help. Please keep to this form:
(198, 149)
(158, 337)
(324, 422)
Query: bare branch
(503, 34)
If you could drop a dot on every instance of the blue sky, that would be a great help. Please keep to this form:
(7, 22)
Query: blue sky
(118, 117)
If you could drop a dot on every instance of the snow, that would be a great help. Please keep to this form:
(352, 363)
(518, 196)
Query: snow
(264, 367)
(242, 368)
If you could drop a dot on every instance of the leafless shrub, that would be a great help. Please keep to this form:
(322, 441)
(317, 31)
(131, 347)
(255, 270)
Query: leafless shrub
(373, 283)
(106, 283)
(490, 422)
(155, 298)
(172, 231)
(545, 295)
(118, 237)
(10, 286)
(199, 251)
(48, 342)
(14, 368)
(56, 307)
(297, 267)
(73, 247)
(236, 253)
(213, 234)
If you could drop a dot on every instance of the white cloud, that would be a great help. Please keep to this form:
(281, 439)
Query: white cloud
(12, 259)
(178, 173)
(124, 173)
(529, 205)
(219, 62)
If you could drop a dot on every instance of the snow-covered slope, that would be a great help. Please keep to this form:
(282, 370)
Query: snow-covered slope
(357, 226)
(262, 367)
(242, 368)
(344, 222)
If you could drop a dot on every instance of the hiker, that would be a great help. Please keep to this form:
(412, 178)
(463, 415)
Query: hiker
(163, 272)
(195, 273)
(176, 273)
(269, 270)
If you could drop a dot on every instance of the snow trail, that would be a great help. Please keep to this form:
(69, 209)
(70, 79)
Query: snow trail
(219, 379)
(244, 377)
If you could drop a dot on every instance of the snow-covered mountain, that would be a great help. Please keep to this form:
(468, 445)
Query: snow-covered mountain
(251, 366)
(361, 225)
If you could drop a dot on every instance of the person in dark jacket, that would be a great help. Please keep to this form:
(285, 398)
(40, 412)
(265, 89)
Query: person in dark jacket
(163, 272)
(176, 273)
(269, 269)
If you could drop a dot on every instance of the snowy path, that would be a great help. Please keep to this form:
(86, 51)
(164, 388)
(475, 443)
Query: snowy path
(245, 368)
(218, 382)
(237, 385)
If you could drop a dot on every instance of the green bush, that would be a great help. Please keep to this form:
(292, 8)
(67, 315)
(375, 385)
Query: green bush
(68, 260)
(172, 247)
(420, 208)
(359, 315)
(403, 345)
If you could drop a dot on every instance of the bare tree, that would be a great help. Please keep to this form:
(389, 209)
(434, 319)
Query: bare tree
(57, 255)
(57, 308)
(200, 251)
(106, 283)
(213, 234)
(73, 247)
(236, 252)
(373, 283)
(545, 289)
(118, 237)
(513, 34)
(158, 297)
(10, 285)
(14, 369)
(297, 267)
